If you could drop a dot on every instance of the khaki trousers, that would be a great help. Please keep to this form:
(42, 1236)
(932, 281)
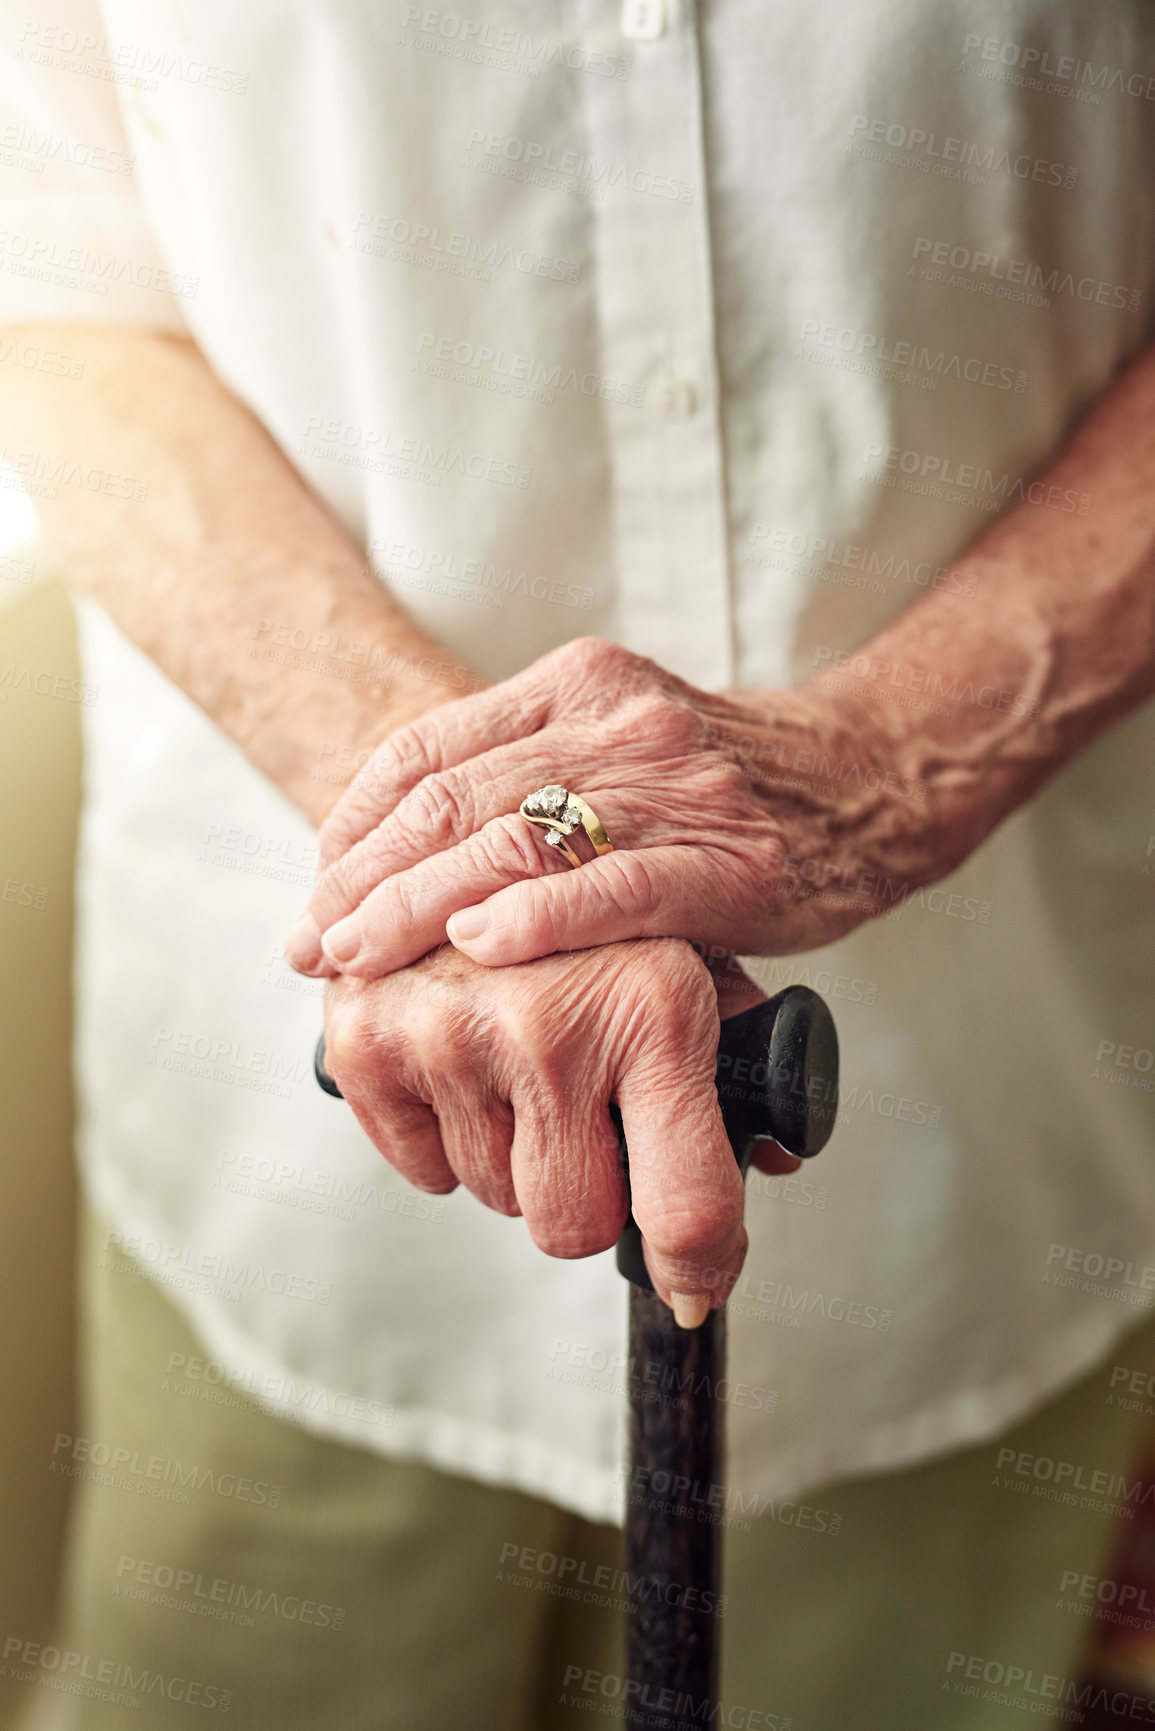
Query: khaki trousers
(313, 1586)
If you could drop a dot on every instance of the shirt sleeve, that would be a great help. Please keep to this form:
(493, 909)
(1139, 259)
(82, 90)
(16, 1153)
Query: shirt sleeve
(75, 240)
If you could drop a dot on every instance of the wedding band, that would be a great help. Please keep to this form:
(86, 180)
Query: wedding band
(561, 814)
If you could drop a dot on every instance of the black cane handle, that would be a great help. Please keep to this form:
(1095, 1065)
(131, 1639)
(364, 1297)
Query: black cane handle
(777, 1076)
(324, 1080)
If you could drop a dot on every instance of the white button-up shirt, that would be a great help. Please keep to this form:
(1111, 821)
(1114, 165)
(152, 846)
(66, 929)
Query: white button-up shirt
(717, 329)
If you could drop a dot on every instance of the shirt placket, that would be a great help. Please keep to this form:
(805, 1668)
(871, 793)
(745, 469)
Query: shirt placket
(656, 314)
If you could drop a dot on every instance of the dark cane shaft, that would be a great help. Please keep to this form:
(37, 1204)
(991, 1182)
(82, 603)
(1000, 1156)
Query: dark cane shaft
(777, 1076)
(673, 1516)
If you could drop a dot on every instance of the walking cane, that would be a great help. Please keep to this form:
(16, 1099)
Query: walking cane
(777, 1076)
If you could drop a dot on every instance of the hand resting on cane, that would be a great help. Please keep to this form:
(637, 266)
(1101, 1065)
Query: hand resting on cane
(766, 822)
(501, 1080)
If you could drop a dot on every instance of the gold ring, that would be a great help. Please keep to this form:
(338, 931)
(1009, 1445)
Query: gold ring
(561, 814)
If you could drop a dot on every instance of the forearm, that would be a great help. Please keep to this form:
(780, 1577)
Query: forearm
(219, 562)
(982, 690)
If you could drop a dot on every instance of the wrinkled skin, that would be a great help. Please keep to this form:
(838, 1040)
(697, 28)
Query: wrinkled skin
(726, 827)
(491, 1064)
(500, 1080)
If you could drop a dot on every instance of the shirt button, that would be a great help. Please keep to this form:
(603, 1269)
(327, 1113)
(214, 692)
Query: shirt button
(679, 399)
(643, 20)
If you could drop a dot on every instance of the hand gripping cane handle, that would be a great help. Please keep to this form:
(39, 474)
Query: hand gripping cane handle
(777, 1076)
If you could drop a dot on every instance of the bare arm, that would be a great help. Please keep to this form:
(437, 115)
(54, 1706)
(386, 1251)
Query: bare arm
(1044, 637)
(212, 554)
(768, 821)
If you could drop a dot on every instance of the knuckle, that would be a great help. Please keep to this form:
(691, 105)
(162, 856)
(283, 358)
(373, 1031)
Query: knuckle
(541, 924)
(403, 907)
(505, 847)
(493, 1187)
(408, 751)
(571, 1239)
(343, 1051)
(515, 1019)
(346, 880)
(666, 722)
(483, 1167)
(583, 658)
(537, 1063)
(752, 880)
(420, 1161)
(695, 1229)
(644, 726)
(363, 795)
(496, 1196)
(441, 805)
(685, 973)
(676, 988)
(630, 880)
(432, 1183)
(532, 1051)
(718, 778)
(432, 1035)
(357, 1048)
(544, 1074)
(354, 815)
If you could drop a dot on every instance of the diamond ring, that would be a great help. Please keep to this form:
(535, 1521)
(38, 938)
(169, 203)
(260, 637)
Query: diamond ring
(562, 814)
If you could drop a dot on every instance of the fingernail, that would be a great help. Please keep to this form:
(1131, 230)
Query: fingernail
(770, 1157)
(690, 1309)
(468, 924)
(303, 944)
(342, 941)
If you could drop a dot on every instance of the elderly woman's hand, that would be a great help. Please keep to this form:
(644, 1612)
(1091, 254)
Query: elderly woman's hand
(501, 1081)
(756, 822)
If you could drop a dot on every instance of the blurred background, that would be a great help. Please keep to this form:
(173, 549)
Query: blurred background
(39, 798)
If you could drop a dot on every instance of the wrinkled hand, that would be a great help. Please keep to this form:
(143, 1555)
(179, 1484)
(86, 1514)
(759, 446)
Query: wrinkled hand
(501, 1081)
(755, 822)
